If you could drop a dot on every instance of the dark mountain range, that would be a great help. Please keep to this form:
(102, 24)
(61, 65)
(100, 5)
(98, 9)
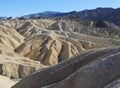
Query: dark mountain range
(49, 14)
(43, 14)
(99, 14)
(102, 14)
(3, 17)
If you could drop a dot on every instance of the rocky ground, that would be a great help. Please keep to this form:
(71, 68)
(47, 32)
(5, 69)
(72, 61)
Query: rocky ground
(64, 53)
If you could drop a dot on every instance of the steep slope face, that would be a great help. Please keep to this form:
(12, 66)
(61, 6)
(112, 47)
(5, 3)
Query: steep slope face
(89, 69)
(17, 67)
(9, 39)
(102, 14)
(51, 47)
(33, 26)
(98, 14)
(114, 84)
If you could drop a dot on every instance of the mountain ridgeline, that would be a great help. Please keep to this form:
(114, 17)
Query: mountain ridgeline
(99, 14)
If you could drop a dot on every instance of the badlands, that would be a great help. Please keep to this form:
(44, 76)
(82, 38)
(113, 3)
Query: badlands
(59, 53)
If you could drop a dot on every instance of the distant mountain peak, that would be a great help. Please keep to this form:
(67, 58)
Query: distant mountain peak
(53, 12)
(99, 14)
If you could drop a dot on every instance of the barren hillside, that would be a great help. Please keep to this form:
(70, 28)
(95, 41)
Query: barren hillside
(59, 53)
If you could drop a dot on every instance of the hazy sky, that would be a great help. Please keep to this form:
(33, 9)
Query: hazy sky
(23, 7)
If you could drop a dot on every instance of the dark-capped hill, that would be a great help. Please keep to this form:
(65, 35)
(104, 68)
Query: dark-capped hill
(102, 14)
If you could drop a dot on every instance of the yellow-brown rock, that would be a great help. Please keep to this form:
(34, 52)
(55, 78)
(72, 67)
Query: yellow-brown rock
(18, 67)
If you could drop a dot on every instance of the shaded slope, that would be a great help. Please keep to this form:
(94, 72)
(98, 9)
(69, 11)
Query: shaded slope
(17, 67)
(9, 39)
(100, 66)
(102, 14)
(114, 83)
